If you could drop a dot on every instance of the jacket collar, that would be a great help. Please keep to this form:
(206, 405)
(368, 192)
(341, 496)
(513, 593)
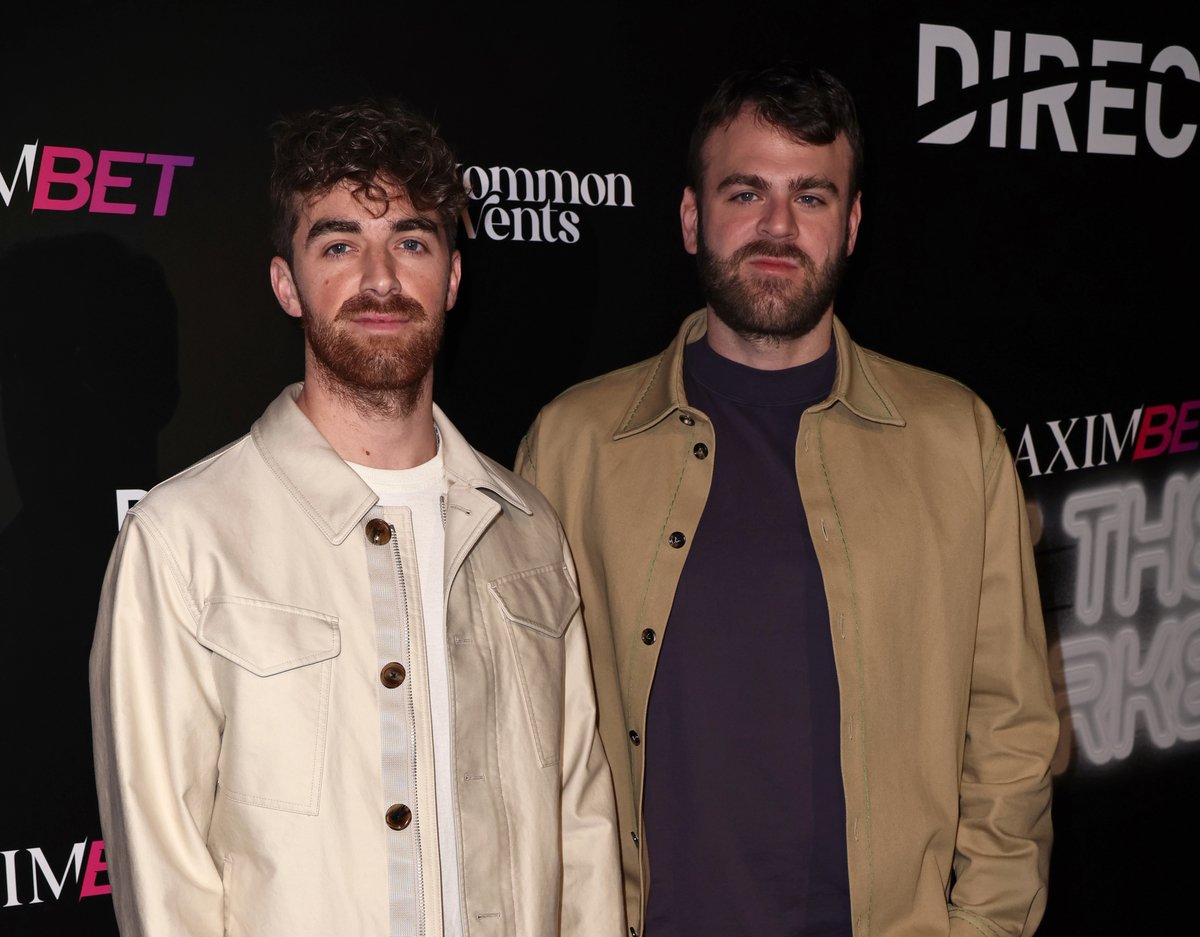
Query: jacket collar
(327, 490)
(855, 385)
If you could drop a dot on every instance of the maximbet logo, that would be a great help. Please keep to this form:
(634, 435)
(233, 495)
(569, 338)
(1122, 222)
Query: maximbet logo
(29, 875)
(112, 182)
(1101, 439)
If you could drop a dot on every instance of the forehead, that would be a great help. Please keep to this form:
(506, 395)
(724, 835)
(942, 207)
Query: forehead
(348, 201)
(750, 146)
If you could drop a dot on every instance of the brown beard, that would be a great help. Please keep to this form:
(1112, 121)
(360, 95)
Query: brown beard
(378, 375)
(761, 308)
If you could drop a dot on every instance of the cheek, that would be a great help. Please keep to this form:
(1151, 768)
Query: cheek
(825, 239)
(429, 289)
(727, 231)
(331, 289)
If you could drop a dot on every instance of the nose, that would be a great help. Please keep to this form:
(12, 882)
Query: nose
(380, 272)
(778, 219)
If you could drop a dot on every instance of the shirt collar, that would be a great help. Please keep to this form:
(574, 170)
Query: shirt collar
(856, 386)
(327, 490)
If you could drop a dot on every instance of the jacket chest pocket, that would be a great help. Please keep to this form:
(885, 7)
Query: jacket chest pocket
(537, 605)
(273, 668)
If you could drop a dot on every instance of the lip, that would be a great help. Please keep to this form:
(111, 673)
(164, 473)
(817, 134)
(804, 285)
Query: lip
(377, 321)
(777, 265)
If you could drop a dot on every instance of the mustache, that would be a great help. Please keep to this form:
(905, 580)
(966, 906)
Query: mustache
(771, 249)
(393, 304)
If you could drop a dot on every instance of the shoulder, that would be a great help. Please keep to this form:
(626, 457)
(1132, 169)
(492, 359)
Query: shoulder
(205, 486)
(916, 382)
(582, 420)
(609, 395)
(520, 499)
(930, 411)
(919, 392)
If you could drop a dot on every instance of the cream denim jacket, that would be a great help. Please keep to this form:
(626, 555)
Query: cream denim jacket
(921, 532)
(236, 689)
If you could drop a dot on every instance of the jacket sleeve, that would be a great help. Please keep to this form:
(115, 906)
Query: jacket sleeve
(592, 900)
(156, 735)
(1002, 853)
(524, 464)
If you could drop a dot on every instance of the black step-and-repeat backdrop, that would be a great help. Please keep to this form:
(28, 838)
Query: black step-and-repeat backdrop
(1029, 227)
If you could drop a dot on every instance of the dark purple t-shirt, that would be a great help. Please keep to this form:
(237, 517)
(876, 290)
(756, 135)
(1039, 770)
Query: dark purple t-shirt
(744, 809)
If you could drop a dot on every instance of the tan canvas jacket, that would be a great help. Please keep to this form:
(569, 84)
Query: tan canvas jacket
(921, 533)
(237, 687)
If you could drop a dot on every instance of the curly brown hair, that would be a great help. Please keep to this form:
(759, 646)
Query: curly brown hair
(373, 144)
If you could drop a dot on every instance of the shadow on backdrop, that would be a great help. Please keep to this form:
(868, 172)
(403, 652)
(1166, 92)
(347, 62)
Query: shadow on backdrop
(88, 379)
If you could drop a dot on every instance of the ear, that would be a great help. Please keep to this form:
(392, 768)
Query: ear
(284, 286)
(455, 276)
(852, 223)
(689, 214)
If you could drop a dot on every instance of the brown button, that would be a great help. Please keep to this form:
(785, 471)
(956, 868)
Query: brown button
(677, 539)
(392, 675)
(379, 532)
(398, 816)
(687, 419)
(634, 737)
(648, 636)
(700, 451)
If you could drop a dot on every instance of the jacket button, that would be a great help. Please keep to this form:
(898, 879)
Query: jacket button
(633, 833)
(687, 419)
(700, 451)
(648, 636)
(634, 737)
(398, 816)
(392, 675)
(379, 532)
(677, 540)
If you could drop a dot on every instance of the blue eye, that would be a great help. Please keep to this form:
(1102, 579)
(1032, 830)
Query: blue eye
(338, 248)
(412, 244)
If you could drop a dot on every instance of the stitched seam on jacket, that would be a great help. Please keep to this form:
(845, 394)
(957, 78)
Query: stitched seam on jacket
(645, 390)
(181, 582)
(871, 382)
(981, 924)
(309, 509)
(862, 733)
(526, 451)
(993, 460)
(641, 615)
(497, 734)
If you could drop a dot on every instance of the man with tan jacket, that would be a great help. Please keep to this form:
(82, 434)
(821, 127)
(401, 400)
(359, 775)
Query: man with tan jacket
(807, 578)
(340, 683)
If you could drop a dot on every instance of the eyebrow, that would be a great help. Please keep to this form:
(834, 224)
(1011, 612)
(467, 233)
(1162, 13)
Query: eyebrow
(331, 226)
(798, 184)
(347, 226)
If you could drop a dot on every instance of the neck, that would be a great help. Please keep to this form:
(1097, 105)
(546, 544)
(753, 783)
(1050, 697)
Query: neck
(380, 430)
(769, 352)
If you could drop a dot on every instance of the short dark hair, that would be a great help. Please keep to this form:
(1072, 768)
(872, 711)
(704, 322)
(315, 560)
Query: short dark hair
(372, 144)
(804, 101)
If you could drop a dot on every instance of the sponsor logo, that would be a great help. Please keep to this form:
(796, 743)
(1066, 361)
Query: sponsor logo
(1125, 671)
(127, 498)
(109, 182)
(29, 876)
(1122, 97)
(1102, 439)
(537, 205)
